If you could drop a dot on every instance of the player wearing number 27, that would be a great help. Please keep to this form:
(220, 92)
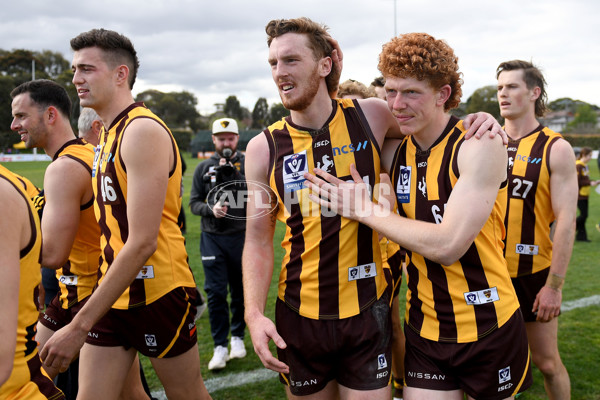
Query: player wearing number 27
(542, 189)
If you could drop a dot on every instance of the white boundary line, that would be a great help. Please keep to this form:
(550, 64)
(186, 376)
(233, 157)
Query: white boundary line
(261, 374)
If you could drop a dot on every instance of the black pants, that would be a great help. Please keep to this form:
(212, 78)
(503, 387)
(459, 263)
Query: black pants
(582, 204)
(222, 262)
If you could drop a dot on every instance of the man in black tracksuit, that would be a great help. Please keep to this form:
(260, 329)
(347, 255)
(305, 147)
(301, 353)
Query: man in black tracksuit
(217, 196)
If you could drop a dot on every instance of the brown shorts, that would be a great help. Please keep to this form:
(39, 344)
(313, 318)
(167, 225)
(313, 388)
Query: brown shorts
(527, 288)
(56, 317)
(162, 329)
(355, 351)
(496, 366)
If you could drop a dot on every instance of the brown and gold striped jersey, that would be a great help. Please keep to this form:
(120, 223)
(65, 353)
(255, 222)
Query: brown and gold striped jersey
(466, 300)
(29, 281)
(529, 212)
(332, 266)
(168, 267)
(78, 277)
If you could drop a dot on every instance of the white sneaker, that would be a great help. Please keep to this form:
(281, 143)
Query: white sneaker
(219, 359)
(238, 350)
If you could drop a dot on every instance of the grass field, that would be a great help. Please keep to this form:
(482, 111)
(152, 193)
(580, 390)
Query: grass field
(579, 329)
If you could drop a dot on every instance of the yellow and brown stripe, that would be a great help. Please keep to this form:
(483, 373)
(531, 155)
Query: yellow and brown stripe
(78, 277)
(529, 211)
(437, 298)
(322, 249)
(27, 380)
(168, 267)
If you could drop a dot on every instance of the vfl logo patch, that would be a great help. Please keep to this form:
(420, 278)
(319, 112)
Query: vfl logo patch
(381, 361)
(150, 340)
(504, 375)
(294, 167)
(147, 272)
(403, 186)
(482, 296)
(362, 272)
(97, 150)
(527, 249)
(68, 280)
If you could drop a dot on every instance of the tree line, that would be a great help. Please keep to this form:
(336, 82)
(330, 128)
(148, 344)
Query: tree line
(178, 109)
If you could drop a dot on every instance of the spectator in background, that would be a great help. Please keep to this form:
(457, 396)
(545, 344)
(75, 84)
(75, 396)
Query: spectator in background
(215, 184)
(89, 126)
(378, 86)
(352, 89)
(584, 183)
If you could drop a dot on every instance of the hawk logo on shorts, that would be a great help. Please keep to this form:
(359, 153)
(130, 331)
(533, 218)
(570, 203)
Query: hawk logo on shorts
(504, 375)
(150, 340)
(381, 361)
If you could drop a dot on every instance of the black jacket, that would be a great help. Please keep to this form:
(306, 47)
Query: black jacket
(211, 183)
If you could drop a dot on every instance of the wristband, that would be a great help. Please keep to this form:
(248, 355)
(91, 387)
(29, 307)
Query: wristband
(555, 281)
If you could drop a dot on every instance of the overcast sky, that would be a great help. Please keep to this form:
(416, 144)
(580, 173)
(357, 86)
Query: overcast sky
(216, 48)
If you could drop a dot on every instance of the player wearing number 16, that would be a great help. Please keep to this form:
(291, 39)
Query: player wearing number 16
(145, 299)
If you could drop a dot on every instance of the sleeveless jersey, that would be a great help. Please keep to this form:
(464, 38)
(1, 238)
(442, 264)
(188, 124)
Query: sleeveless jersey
(30, 189)
(26, 362)
(529, 212)
(78, 277)
(332, 266)
(465, 301)
(583, 179)
(167, 268)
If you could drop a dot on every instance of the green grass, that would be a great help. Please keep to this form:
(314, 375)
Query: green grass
(579, 330)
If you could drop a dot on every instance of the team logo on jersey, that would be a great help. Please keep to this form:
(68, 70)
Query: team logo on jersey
(150, 340)
(403, 186)
(422, 186)
(362, 272)
(381, 361)
(294, 168)
(527, 249)
(68, 280)
(326, 165)
(482, 296)
(504, 375)
(147, 272)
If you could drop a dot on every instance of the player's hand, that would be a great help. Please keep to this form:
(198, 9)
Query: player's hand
(39, 202)
(479, 123)
(262, 331)
(333, 79)
(348, 199)
(62, 347)
(547, 304)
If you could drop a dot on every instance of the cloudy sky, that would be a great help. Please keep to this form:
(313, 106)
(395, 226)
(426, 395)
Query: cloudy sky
(216, 48)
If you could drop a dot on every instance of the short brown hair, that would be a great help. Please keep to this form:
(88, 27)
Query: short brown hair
(423, 57)
(352, 87)
(533, 78)
(318, 40)
(117, 47)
